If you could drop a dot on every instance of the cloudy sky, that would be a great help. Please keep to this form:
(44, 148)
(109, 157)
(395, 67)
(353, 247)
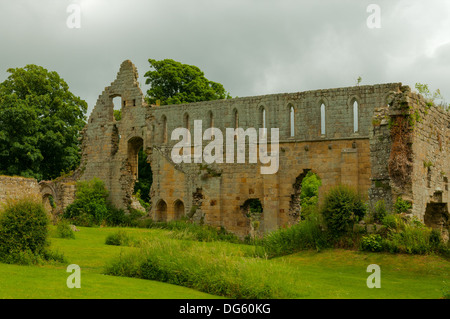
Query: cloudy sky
(252, 47)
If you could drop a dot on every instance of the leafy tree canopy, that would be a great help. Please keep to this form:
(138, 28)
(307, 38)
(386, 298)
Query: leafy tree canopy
(40, 120)
(175, 83)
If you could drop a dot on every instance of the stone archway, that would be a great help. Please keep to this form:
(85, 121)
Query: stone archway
(134, 146)
(437, 217)
(161, 211)
(178, 209)
(48, 195)
(253, 210)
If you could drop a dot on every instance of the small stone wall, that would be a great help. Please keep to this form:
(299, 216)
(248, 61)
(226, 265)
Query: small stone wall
(12, 187)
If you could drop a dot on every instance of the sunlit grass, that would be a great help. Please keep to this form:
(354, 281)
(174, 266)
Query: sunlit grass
(330, 273)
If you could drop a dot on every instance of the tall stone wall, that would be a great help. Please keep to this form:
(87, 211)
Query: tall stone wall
(217, 193)
(409, 155)
(106, 143)
(340, 156)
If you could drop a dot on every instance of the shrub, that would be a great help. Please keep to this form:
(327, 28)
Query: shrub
(435, 238)
(371, 242)
(115, 217)
(119, 238)
(392, 222)
(63, 230)
(90, 205)
(342, 207)
(24, 233)
(410, 240)
(379, 211)
(401, 206)
(307, 234)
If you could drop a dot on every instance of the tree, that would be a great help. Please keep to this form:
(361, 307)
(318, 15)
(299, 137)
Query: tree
(309, 196)
(175, 83)
(145, 180)
(40, 120)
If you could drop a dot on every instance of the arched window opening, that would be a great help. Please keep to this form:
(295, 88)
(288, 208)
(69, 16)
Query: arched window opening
(164, 129)
(305, 196)
(253, 210)
(235, 119)
(263, 123)
(355, 116)
(292, 121)
(211, 124)
(322, 119)
(140, 169)
(186, 121)
(117, 102)
(211, 119)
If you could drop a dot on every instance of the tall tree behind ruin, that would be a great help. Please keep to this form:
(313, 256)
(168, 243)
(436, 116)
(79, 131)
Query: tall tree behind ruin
(40, 120)
(175, 83)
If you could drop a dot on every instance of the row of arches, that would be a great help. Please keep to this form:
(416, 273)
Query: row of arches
(262, 119)
(161, 213)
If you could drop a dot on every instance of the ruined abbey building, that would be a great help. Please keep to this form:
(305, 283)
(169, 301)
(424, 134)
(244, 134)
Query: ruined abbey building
(383, 140)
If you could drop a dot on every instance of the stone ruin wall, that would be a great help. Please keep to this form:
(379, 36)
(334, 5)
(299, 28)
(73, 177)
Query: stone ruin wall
(410, 147)
(400, 149)
(16, 187)
(338, 157)
(216, 193)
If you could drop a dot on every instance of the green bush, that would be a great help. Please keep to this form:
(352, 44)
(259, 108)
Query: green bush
(119, 238)
(90, 205)
(392, 222)
(379, 211)
(342, 208)
(307, 234)
(63, 230)
(372, 243)
(435, 238)
(116, 217)
(401, 206)
(24, 230)
(410, 239)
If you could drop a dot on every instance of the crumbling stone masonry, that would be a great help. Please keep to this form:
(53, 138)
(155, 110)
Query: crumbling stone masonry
(399, 147)
(16, 187)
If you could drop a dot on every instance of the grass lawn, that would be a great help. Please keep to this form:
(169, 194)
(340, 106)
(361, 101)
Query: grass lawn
(325, 274)
(88, 251)
(342, 274)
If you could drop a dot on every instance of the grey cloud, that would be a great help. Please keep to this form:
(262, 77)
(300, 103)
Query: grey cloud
(252, 47)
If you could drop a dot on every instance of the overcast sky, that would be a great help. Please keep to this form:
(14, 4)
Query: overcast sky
(252, 47)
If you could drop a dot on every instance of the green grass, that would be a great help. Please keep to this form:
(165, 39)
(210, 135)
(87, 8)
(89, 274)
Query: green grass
(89, 251)
(330, 273)
(342, 274)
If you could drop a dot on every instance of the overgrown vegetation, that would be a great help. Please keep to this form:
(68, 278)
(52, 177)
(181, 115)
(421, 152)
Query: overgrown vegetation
(24, 234)
(342, 208)
(205, 268)
(91, 207)
(144, 183)
(309, 195)
(120, 238)
(306, 234)
(63, 230)
(184, 229)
